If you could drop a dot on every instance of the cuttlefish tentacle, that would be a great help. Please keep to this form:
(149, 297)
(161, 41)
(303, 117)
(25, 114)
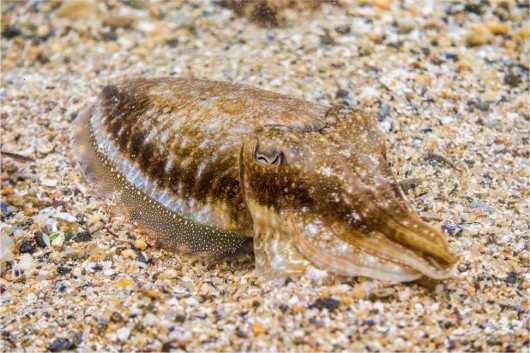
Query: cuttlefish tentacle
(208, 167)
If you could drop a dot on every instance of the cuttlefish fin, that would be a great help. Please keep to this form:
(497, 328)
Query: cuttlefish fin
(87, 156)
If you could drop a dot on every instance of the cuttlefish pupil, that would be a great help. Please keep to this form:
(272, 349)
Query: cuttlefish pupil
(210, 168)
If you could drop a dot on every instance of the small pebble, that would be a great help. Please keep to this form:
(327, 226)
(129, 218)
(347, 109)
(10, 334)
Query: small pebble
(116, 317)
(325, 303)
(63, 270)
(49, 182)
(76, 9)
(384, 111)
(10, 32)
(512, 79)
(463, 267)
(26, 262)
(27, 246)
(124, 283)
(128, 254)
(482, 206)
(150, 320)
(498, 28)
(119, 21)
(405, 25)
(341, 93)
(478, 34)
(123, 333)
(258, 328)
(452, 229)
(343, 29)
(67, 217)
(82, 237)
(57, 239)
(140, 244)
(61, 344)
(511, 278)
(42, 240)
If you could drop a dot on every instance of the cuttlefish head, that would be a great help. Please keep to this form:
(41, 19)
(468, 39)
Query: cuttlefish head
(326, 197)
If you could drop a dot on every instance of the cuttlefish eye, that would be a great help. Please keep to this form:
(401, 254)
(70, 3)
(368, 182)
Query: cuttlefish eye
(268, 156)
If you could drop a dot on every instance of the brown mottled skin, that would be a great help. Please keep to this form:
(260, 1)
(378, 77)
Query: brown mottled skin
(274, 164)
(125, 108)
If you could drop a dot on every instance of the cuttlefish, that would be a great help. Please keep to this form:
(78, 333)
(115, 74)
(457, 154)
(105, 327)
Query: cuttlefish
(212, 168)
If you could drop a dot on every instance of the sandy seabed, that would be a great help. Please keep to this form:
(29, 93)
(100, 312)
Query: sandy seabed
(449, 84)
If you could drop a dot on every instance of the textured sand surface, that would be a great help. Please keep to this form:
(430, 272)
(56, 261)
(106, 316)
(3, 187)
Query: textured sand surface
(449, 83)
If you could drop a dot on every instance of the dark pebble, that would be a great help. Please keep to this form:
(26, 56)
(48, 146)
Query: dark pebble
(116, 317)
(11, 32)
(452, 229)
(396, 45)
(343, 29)
(39, 240)
(174, 345)
(287, 281)
(383, 112)
(180, 318)
(63, 270)
(172, 42)
(325, 303)
(409, 184)
(283, 308)
(341, 93)
(369, 323)
(82, 236)
(512, 79)
(86, 285)
(168, 346)
(483, 106)
(434, 159)
(140, 256)
(511, 278)
(474, 7)
(69, 236)
(60, 287)
(297, 341)
(445, 324)
(61, 344)
(27, 247)
(451, 56)
(109, 36)
(326, 39)
(6, 209)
